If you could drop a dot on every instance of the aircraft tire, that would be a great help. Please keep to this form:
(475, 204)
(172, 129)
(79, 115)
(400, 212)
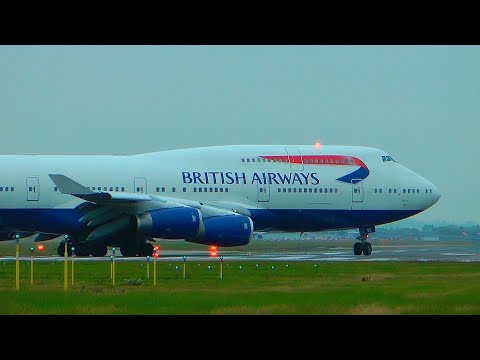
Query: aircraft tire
(357, 248)
(367, 248)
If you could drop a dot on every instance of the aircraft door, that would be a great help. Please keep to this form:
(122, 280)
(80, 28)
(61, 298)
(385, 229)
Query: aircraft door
(140, 184)
(295, 158)
(357, 194)
(33, 189)
(263, 192)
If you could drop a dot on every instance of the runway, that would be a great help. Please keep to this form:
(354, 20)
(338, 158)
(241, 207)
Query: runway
(409, 252)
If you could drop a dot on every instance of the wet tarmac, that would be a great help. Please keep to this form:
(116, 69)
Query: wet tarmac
(403, 252)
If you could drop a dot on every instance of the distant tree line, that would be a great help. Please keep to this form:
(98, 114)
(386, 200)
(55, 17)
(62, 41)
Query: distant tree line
(447, 231)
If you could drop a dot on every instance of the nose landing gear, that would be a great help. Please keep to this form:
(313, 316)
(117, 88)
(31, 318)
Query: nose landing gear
(362, 245)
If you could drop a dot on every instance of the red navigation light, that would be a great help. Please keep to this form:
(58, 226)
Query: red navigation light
(156, 247)
(40, 247)
(156, 255)
(213, 251)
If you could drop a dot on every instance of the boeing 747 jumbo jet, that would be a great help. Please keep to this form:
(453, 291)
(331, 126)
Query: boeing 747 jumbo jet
(210, 195)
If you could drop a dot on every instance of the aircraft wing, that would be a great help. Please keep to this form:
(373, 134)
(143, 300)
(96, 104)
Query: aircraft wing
(68, 186)
(107, 213)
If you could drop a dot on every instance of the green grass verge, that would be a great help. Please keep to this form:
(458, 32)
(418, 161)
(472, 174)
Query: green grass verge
(300, 288)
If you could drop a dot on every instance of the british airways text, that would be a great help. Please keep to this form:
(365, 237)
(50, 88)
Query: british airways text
(230, 177)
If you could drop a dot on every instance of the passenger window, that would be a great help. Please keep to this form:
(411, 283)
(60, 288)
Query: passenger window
(158, 189)
(375, 190)
(315, 190)
(253, 160)
(320, 190)
(226, 189)
(221, 189)
(194, 189)
(284, 189)
(310, 190)
(199, 189)
(163, 189)
(294, 190)
(30, 188)
(123, 189)
(289, 190)
(173, 189)
(408, 191)
(211, 190)
(380, 191)
(279, 190)
(243, 160)
(111, 188)
(404, 191)
(55, 188)
(184, 189)
(216, 189)
(248, 160)
(205, 189)
(6, 188)
(331, 190)
(116, 188)
(336, 190)
(394, 191)
(1, 188)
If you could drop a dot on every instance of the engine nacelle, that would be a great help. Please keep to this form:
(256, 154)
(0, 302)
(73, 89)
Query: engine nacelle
(230, 230)
(172, 223)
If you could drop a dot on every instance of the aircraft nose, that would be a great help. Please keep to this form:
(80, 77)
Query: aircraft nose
(435, 194)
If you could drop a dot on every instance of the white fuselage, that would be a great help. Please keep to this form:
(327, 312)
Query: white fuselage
(285, 187)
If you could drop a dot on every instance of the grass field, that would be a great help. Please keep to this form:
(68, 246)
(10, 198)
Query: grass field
(300, 288)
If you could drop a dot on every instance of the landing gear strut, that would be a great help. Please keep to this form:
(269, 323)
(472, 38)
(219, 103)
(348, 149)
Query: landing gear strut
(363, 246)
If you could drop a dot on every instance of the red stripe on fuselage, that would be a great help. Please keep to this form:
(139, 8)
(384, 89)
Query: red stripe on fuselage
(333, 160)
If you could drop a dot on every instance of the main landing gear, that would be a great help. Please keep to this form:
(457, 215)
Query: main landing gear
(363, 246)
(83, 249)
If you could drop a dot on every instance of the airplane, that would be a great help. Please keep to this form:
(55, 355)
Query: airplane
(216, 195)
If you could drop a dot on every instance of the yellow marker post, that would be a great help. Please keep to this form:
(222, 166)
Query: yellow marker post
(31, 267)
(148, 267)
(73, 270)
(155, 269)
(184, 262)
(113, 268)
(17, 264)
(221, 267)
(65, 274)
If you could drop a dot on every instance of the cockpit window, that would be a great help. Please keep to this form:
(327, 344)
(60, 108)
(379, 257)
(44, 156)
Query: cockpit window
(387, 158)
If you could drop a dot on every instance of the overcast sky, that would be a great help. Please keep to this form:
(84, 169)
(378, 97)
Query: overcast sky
(421, 104)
